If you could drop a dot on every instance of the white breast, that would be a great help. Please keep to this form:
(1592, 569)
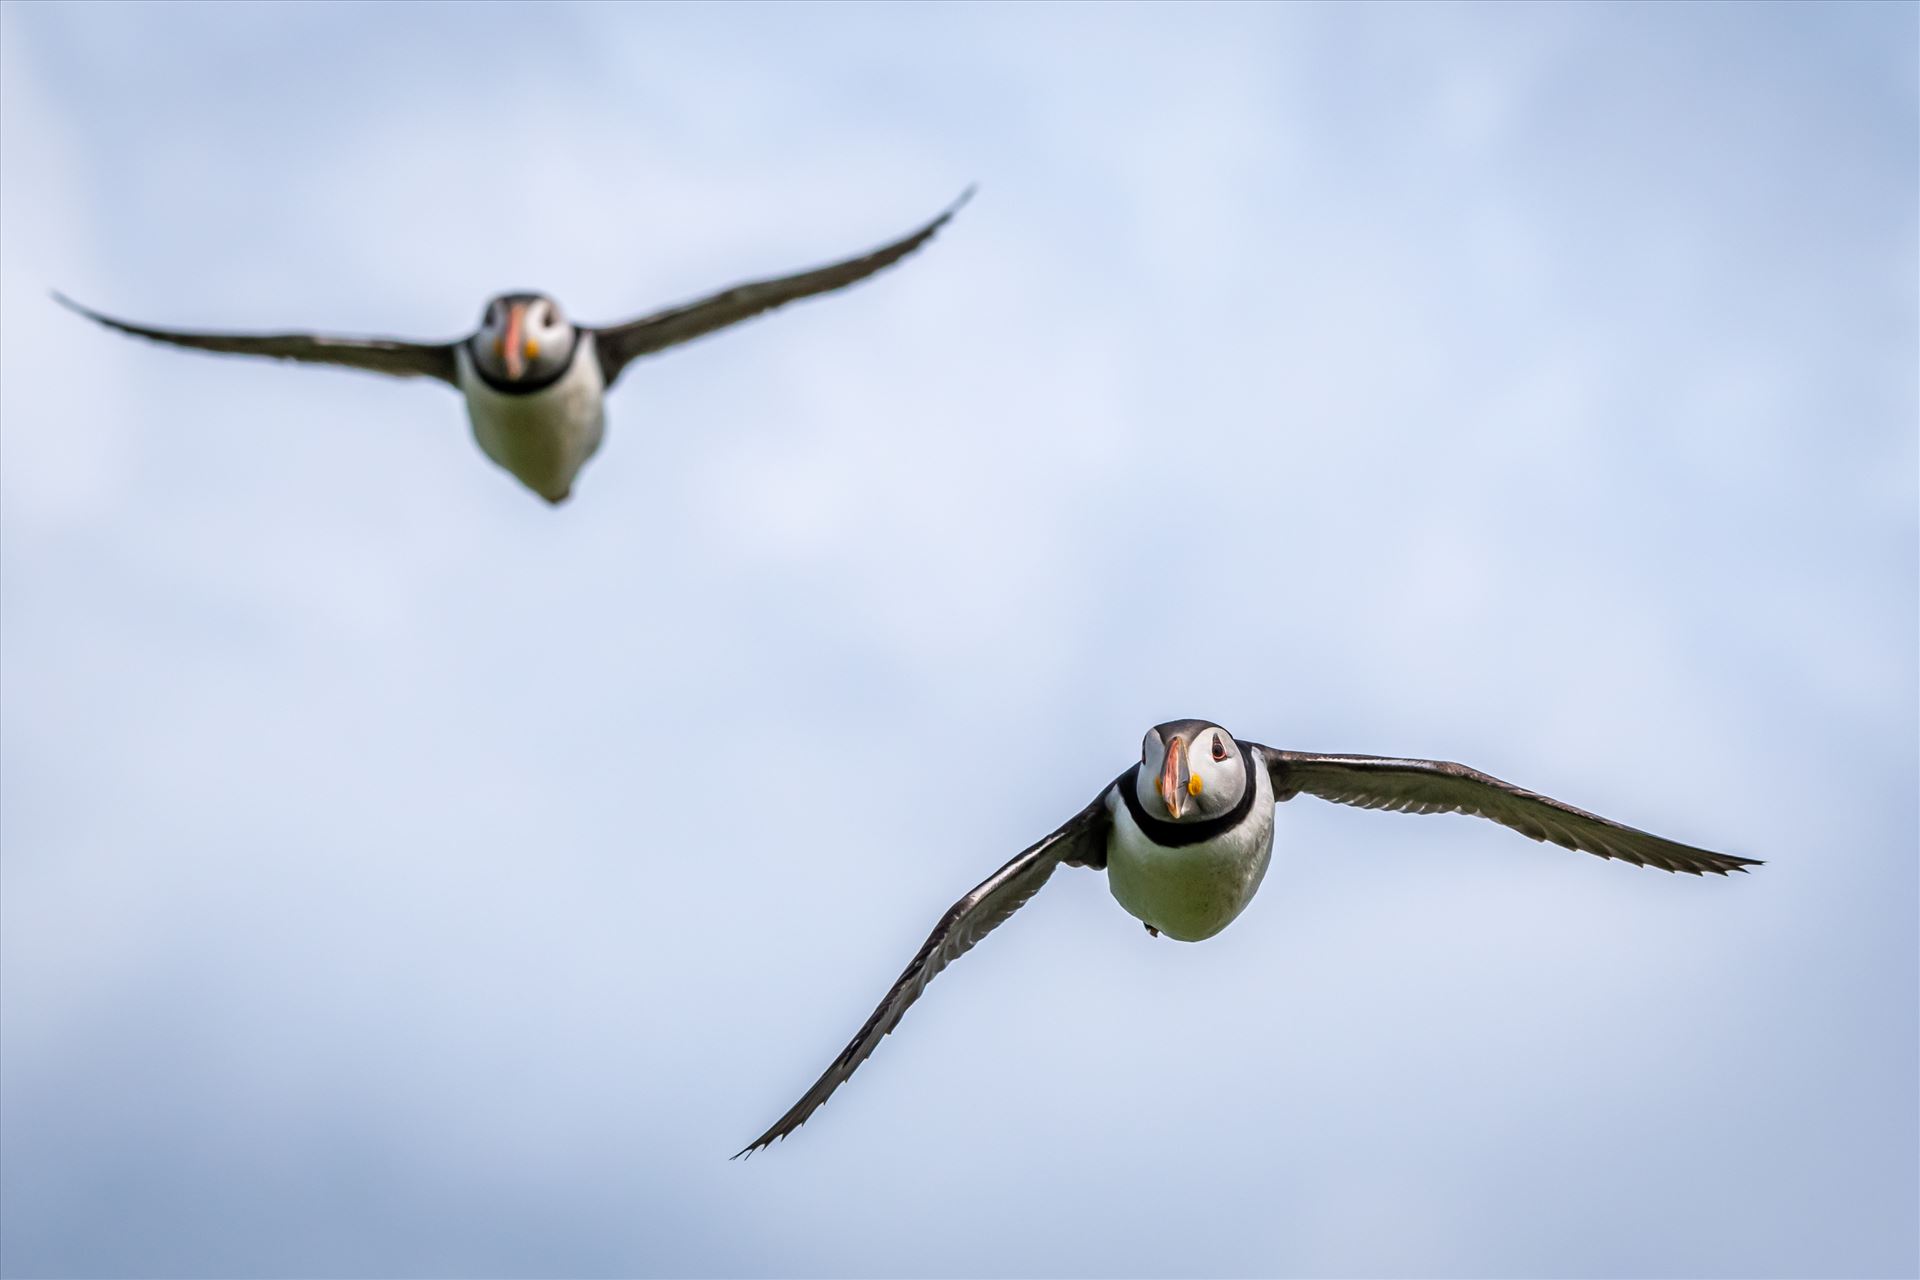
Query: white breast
(1194, 891)
(546, 437)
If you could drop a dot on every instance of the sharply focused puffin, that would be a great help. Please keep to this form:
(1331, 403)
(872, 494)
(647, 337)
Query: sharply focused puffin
(535, 382)
(1185, 835)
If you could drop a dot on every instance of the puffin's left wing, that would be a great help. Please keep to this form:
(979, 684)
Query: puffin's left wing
(377, 355)
(619, 345)
(1081, 842)
(1439, 786)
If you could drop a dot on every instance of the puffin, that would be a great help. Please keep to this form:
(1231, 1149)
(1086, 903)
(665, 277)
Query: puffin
(1186, 834)
(535, 382)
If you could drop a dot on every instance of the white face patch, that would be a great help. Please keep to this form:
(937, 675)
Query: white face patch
(1153, 753)
(1221, 782)
(545, 339)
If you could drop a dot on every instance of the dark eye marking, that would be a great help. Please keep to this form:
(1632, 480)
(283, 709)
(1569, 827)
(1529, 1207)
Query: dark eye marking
(1219, 747)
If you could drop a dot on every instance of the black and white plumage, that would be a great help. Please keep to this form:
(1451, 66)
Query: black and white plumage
(1185, 837)
(534, 381)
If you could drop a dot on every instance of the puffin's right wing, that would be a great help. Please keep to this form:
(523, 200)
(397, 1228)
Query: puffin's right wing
(1081, 842)
(1440, 786)
(377, 355)
(621, 344)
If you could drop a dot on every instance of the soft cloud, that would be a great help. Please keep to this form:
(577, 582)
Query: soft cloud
(402, 877)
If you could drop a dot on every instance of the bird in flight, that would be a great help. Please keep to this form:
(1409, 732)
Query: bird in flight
(534, 381)
(1185, 835)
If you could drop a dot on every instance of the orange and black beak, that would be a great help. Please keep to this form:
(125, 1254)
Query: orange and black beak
(1174, 778)
(512, 350)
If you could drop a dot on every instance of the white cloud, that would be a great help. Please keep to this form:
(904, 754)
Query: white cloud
(410, 870)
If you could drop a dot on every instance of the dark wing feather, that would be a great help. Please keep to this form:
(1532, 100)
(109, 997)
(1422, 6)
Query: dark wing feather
(377, 355)
(620, 345)
(1438, 786)
(1082, 841)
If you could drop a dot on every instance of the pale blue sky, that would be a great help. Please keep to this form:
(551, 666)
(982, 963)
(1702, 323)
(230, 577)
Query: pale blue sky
(401, 877)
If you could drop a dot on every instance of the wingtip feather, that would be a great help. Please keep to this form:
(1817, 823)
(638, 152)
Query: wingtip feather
(959, 203)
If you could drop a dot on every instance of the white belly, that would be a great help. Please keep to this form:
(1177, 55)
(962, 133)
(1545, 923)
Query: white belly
(1194, 891)
(546, 437)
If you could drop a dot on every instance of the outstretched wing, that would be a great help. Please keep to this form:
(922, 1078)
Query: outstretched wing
(1439, 786)
(377, 355)
(1082, 842)
(620, 345)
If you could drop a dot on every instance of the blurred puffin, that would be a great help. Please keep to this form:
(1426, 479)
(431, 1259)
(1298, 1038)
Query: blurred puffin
(534, 381)
(1185, 835)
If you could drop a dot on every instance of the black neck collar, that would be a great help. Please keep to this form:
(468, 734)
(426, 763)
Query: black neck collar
(526, 386)
(1171, 835)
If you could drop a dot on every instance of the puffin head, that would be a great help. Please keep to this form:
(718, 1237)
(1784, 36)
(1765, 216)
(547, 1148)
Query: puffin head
(1192, 769)
(523, 337)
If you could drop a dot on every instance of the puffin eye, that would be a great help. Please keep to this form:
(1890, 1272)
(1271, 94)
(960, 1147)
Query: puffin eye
(1219, 747)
